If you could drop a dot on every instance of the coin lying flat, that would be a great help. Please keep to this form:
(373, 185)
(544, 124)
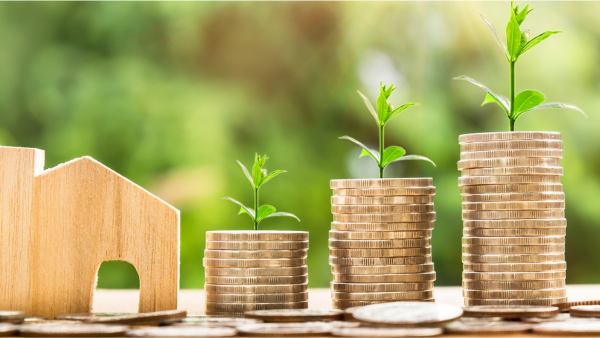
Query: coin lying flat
(12, 316)
(7, 330)
(510, 145)
(257, 298)
(566, 306)
(307, 329)
(382, 226)
(513, 205)
(509, 136)
(513, 197)
(60, 329)
(513, 249)
(381, 209)
(569, 328)
(492, 327)
(511, 153)
(513, 285)
(257, 235)
(386, 332)
(299, 315)
(536, 320)
(509, 162)
(243, 307)
(381, 183)
(406, 313)
(242, 272)
(255, 254)
(516, 223)
(373, 261)
(511, 188)
(264, 245)
(513, 276)
(513, 240)
(585, 311)
(381, 269)
(548, 213)
(182, 332)
(507, 179)
(404, 191)
(478, 232)
(385, 218)
(381, 200)
(124, 318)
(383, 287)
(380, 252)
(387, 296)
(378, 235)
(510, 311)
(255, 289)
(514, 302)
(526, 258)
(384, 243)
(253, 263)
(515, 267)
(393, 278)
(256, 280)
(220, 321)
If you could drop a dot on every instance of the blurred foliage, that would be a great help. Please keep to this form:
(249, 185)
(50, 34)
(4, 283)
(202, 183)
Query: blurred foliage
(171, 94)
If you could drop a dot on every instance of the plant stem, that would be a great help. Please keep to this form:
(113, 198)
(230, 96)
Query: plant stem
(255, 208)
(512, 96)
(381, 151)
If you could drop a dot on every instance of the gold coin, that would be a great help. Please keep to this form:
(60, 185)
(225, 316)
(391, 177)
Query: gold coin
(508, 179)
(478, 232)
(359, 261)
(378, 235)
(513, 276)
(7, 330)
(381, 200)
(387, 332)
(515, 267)
(381, 183)
(60, 329)
(256, 280)
(380, 252)
(513, 240)
(346, 304)
(382, 226)
(587, 311)
(296, 315)
(534, 258)
(510, 249)
(514, 302)
(405, 191)
(380, 287)
(513, 171)
(12, 316)
(564, 307)
(514, 285)
(252, 263)
(385, 218)
(511, 188)
(527, 196)
(509, 162)
(513, 205)
(509, 136)
(516, 223)
(402, 295)
(257, 235)
(394, 278)
(293, 245)
(254, 289)
(511, 145)
(381, 209)
(243, 307)
(512, 294)
(486, 328)
(182, 331)
(518, 214)
(381, 269)
(223, 314)
(379, 244)
(255, 254)
(308, 329)
(257, 298)
(408, 313)
(536, 320)
(510, 312)
(148, 318)
(570, 328)
(207, 320)
(527, 153)
(247, 272)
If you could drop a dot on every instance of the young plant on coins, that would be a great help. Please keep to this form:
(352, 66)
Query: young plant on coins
(258, 178)
(517, 43)
(384, 113)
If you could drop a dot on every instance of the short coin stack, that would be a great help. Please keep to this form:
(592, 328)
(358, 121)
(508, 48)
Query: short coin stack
(255, 270)
(380, 242)
(513, 212)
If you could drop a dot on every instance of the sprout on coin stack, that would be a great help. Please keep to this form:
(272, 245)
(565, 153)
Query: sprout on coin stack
(513, 201)
(256, 269)
(380, 242)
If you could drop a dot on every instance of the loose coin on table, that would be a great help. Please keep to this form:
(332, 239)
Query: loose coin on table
(386, 332)
(306, 329)
(407, 313)
(60, 329)
(511, 311)
(592, 311)
(124, 318)
(7, 330)
(491, 327)
(12, 316)
(569, 327)
(169, 331)
(295, 315)
(220, 321)
(564, 307)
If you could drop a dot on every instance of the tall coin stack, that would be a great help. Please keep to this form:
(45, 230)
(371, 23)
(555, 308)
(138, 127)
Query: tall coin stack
(513, 211)
(255, 270)
(380, 242)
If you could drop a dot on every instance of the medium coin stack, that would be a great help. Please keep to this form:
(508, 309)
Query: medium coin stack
(380, 241)
(255, 270)
(513, 204)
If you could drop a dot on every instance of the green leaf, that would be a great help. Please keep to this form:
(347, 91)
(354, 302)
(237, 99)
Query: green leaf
(399, 110)
(271, 175)
(391, 154)
(282, 214)
(246, 173)
(500, 99)
(550, 105)
(369, 106)
(513, 38)
(372, 153)
(526, 100)
(244, 209)
(537, 40)
(264, 211)
(257, 172)
(382, 105)
(415, 157)
(496, 36)
(520, 16)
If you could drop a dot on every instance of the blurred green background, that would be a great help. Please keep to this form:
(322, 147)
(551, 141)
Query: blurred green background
(170, 94)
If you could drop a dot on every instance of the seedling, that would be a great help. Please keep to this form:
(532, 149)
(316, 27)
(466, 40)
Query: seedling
(384, 113)
(258, 178)
(517, 43)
